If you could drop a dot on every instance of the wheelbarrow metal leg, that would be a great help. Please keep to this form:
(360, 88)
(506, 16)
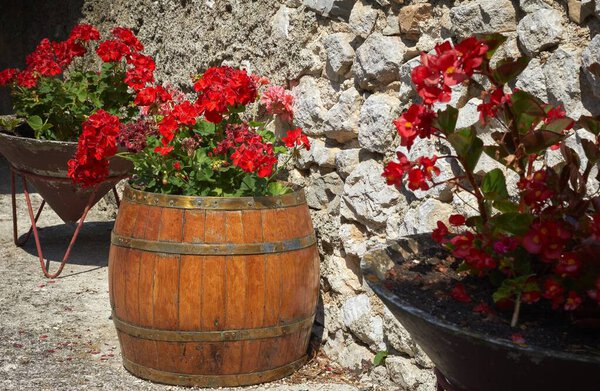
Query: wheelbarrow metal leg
(37, 237)
(26, 237)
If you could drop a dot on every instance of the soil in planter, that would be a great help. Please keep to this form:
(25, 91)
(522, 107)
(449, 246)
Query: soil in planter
(425, 274)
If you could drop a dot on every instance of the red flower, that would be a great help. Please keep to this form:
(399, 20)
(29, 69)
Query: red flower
(552, 289)
(163, 150)
(457, 220)
(416, 121)
(7, 76)
(220, 88)
(126, 36)
(98, 141)
(150, 95)
(531, 297)
(496, 98)
(569, 264)
(393, 172)
(439, 234)
(27, 79)
(185, 113)
(535, 190)
(167, 128)
(177, 166)
(459, 293)
(84, 32)
(547, 238)
(250, 152)
(573, 301)
(112, 50)
(295, 138)
(278, 102)
(518, 339)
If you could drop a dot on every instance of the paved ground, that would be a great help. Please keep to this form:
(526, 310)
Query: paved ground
(57, 335)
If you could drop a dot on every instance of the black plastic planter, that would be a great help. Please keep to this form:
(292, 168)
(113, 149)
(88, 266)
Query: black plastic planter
(474, 362)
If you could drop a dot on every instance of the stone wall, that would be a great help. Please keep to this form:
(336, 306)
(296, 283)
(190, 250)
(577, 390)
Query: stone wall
(348, 64)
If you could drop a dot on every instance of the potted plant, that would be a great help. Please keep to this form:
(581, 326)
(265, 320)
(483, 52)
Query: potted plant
(507, 295)
(213, 266)
(60, 95)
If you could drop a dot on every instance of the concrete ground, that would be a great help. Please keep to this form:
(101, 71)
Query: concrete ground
(57, 335)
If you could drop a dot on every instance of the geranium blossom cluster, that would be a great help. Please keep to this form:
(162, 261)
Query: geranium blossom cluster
(52, 58)
(185, 146)
(540, 243)
(97, 143)
(247, 150)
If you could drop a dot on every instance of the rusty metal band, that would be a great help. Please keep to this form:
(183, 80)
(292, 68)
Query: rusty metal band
(214, 203)
(212, 336)
(213, 248)
(212, 381)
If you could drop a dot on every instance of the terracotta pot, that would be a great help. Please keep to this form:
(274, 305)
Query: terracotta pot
(211, 291)
(472, 361)
(44, 163)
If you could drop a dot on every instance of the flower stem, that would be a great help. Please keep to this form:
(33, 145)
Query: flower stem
(517, 309)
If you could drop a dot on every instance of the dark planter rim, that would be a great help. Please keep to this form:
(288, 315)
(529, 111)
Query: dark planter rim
(371, 275)
(3, 133)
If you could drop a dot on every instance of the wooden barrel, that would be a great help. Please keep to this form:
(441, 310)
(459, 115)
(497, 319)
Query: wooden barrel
(211, 292)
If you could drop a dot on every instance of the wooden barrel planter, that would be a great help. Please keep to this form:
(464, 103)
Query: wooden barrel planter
(213, 292)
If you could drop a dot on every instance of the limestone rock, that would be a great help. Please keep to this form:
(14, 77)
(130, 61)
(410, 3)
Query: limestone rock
(591, 64)
(346, 160)
(562, 80)
(362, 19)
(309, 112)
(378, 61)
(340, 54)
(408, 376)
(318, 154)
(367, 199)
(347, 353)
(579, 10)
(341, 121)
(407, 92)
(340, 278)
(483, 16)
(533, 5)
(393, 26)
(360, 321)
(353, 239)
(533, 80)
(420, 219)
(540, 30)
(322, 189)
(468, 114)
(331, 8)
(376, 131)
(280, 23)
(411, 16)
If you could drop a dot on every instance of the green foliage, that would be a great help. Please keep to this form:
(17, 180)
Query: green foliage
(56, 107)
(380, 357)
(467, 145)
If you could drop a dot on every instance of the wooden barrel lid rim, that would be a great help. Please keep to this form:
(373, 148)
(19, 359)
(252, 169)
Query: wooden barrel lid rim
(294, 198)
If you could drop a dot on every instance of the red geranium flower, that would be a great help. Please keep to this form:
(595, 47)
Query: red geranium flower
(295, 138)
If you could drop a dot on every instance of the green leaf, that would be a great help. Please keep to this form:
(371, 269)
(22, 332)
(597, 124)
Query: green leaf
(494, 185)
(527, 109)
(508, 69)
(592, 152)
(559, 125)
(467, 145)
(36, 122)
(277, 188)
(537, 141)
(379, 358)
(589, 123)
(512, 222)
(446, 120)
(506, 206)
(205, 128)
(493, 42)
(10, 122)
